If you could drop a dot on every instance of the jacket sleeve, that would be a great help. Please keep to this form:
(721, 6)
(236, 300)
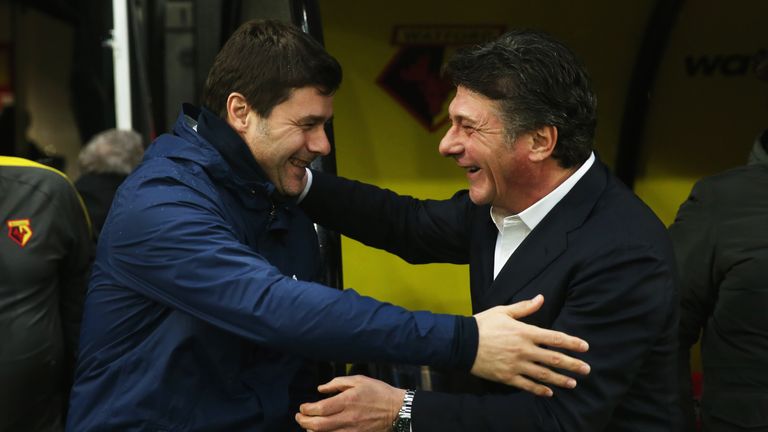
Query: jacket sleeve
(178, 250)
(693, 235)
(74, 269)
(418, 231)
(619, 301)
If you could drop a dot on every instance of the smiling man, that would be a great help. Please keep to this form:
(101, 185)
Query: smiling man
(542, 215)
(202, 313)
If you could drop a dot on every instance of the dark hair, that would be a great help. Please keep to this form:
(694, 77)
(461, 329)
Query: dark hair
(265, 60)
(537, 81)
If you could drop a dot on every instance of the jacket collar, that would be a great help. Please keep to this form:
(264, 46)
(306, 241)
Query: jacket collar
(226, 157)
(231, 147)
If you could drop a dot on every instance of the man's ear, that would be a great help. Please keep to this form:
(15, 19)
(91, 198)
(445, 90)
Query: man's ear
(544, 142)
(237, 112)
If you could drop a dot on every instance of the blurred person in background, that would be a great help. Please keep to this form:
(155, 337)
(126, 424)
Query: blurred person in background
(105, 162)
(721, 242)
(10, 118)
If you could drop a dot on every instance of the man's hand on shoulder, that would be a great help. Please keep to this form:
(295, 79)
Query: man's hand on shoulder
(510, 351)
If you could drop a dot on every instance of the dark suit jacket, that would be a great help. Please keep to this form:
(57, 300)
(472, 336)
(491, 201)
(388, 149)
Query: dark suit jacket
(604, 264)
(721, 240)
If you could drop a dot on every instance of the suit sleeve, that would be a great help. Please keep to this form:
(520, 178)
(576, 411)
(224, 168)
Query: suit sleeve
(418, 231)
(693, 235)
(619, 301)
(182, 253)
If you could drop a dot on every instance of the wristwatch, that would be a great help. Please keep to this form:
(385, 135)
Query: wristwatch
(402, 422)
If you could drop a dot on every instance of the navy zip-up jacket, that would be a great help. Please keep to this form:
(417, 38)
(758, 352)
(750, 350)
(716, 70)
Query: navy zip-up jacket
(201, 313)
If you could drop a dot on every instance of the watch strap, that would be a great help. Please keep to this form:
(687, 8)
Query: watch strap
(402, 422)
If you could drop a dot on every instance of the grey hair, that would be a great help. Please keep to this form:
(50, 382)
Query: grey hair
(112, 151)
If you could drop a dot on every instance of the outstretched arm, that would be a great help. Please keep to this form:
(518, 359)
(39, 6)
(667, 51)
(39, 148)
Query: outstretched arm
(630, 344)
(249, 297)
(508, 352)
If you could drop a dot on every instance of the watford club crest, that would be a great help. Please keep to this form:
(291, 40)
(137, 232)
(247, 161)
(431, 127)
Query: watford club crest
(413, 75)
(20, 231)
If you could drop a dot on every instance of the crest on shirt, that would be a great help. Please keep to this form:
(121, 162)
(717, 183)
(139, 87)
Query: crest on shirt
(20, 231)
(413, 76)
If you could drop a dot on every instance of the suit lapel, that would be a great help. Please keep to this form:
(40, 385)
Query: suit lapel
(546, 242)
(483, 249)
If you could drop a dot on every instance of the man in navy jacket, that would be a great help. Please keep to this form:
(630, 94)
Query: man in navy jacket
(202, 313)
(542, 215)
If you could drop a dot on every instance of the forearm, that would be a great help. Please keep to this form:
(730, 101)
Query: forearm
(321, 323)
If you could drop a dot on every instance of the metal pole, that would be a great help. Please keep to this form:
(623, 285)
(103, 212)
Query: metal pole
(306, 15)
(122, 64)
(658, 29)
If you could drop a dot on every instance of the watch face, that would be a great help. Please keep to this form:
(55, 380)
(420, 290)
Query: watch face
(402, 425)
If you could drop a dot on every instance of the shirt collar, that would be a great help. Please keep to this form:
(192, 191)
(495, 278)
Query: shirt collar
(536, 212)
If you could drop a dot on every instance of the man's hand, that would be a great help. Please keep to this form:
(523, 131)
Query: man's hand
(509, 351)
(363, 404)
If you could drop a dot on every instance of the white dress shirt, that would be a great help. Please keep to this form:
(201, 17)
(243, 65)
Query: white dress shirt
(513, 229)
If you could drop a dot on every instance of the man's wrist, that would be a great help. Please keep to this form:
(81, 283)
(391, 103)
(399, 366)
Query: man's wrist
(465, 343)
(402, 421)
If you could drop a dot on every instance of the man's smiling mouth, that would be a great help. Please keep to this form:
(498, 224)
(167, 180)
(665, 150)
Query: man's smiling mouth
(299, 162)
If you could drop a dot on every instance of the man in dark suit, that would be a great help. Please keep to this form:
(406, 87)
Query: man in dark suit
(542, 216)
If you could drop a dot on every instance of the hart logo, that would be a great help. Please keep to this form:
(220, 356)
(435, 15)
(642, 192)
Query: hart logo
(413, 75)
(20, 231)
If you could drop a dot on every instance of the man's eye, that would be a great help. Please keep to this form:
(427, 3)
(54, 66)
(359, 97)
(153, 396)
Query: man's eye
(467, 129)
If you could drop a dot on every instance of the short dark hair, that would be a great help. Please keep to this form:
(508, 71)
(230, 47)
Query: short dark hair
(537, 81)
(265, 60)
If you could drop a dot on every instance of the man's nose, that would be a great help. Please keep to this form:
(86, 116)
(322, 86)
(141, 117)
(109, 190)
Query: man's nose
(451, 145)
(318, 142)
